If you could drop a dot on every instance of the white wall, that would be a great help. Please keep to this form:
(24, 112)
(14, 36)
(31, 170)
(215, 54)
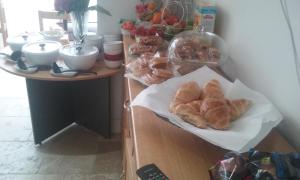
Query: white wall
(119, 9)
(261, 51)
(110, 25)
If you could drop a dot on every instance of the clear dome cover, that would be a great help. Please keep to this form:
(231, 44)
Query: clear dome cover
(196, 49)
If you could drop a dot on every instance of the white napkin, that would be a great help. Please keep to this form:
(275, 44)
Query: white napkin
(244, 133)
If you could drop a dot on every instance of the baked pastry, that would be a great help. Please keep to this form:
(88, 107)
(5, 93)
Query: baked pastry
(139, 67)
(212, 89)
(238, 107)
(207, 107)
(150, 40)
(163, 73)
(159, 62)
(214, 54)
(138, 49)
(189, 115)
(196, 104)
(147, 56)
(218, 117)
(186, 68)
(209, 103)
(152, 79)
(186, 93)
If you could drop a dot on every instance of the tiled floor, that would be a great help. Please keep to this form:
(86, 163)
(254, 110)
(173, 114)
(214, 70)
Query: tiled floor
(75, 154)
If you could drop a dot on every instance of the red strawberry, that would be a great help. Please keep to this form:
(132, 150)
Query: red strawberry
(152, 31)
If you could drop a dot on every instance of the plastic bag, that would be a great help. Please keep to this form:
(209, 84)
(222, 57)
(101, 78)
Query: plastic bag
(149, 69)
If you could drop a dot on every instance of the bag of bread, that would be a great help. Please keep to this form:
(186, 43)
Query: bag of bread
(139, 49)
(149, 69)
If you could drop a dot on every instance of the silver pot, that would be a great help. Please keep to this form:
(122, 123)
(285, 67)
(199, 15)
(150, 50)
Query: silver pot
(17, 42)
(42, 53)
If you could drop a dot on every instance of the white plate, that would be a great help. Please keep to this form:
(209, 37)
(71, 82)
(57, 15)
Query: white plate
(30, 70)
(63, 74)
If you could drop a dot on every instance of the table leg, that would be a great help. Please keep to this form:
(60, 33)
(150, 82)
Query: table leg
(91, 104)
(50, 107)
(55, 105)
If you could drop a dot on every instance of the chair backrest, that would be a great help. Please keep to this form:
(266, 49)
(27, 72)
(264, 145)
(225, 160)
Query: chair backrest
(3, 28)
(53, 15)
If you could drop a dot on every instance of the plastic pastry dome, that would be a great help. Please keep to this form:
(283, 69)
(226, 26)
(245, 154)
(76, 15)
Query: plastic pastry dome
(191, 50)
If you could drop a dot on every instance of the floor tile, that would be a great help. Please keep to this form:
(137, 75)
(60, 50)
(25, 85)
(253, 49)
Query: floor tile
(19, 158)
(31, 177)
(76, 153)
(92, 177)
(17, 107)
(75, 140)
(67, 165)
(108, 163)
(15, 128)
(12, 86)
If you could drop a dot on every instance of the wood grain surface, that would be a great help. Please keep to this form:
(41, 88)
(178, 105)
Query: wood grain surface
(178, 153)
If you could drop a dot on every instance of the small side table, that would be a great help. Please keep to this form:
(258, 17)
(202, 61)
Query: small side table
(57, 102)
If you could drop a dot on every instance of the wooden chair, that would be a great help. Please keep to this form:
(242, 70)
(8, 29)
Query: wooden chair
(53, 15)
(3, 26)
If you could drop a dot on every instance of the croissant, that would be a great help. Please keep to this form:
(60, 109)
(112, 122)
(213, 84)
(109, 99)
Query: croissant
(212, 89)
(209, 103)
(186, 93)
(190, 115)
(218, 118)
(238, 107)
(196, 104)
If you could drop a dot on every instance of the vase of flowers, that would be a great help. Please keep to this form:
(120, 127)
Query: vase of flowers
(78, 10)
(79, 24)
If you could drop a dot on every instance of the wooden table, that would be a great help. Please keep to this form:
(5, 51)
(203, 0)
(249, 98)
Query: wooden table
(181, 155)
(56, 102)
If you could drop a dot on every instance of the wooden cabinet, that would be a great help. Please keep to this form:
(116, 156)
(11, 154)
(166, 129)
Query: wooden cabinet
(129, 158)
(148, 138)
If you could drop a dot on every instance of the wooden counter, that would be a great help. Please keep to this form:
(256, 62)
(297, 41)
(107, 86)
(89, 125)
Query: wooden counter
(179, 154)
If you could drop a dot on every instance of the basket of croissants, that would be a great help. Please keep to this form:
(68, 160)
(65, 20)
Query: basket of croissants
(207, 106)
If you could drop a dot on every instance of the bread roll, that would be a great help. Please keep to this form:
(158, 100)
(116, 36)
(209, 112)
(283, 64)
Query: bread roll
(209, 103)
(195, 105)
(218, 118)
(189, 115)
(186, 93)
(152, 79)
(159, 63)
(238, 107)
(212, 89)
(163, 73)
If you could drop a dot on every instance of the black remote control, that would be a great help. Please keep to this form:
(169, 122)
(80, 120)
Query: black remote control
(151, 172)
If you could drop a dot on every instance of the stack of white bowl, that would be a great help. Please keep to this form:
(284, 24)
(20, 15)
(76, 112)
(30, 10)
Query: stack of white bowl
(113, 51)
(112, 37)
(97, 41)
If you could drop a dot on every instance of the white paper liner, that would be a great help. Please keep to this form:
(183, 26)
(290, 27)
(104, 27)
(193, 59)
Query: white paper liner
(244, 133)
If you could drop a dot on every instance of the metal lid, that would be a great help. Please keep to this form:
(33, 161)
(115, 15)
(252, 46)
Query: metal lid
(23, 39)
(41, 47)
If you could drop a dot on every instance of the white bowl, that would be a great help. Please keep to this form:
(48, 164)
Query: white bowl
(42, 53)
(53, 35)
(94, 40)
(112, 37)
(113, 64)
(79, 60)
(113, 47)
